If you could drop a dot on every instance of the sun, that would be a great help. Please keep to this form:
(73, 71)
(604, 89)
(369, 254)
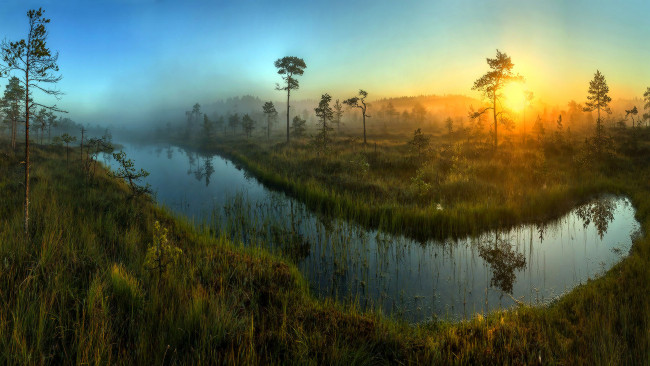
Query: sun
(513, 96)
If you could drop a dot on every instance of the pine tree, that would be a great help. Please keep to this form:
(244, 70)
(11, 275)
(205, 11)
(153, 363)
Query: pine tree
(597, 100)
(325, 114)
(492, 83)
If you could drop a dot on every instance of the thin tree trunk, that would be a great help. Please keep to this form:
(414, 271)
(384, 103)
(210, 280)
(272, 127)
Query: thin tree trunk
(494, 114)
(14, 122)
(364, 126)
(288, 93)
(27, 151)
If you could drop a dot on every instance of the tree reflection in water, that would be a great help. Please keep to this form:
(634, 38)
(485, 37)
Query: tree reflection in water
(503, 261)
(600, 212)
(202, 171)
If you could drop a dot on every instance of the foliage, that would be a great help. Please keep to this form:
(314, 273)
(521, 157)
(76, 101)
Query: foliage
(504, 260)
(36, 65)
(492, 83)
(298, 127)
(271, 116)
(289, 67)
(338, 114)
(161, 254)
(646, 106)
(449, 123)
(10, 106)
(419, 144)
(597, 100)
(128, 172)
(325, 114)
(248, 124)
(360, 102)
(233, 122)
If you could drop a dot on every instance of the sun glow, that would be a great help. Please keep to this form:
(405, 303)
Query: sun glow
(514, 96)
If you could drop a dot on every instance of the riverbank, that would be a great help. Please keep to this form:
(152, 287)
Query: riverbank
(79, 290)
(461, 189)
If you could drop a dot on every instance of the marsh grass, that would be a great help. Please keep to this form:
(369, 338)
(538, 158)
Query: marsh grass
(77, 291)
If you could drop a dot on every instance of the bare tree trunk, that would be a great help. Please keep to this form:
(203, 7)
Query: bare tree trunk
(364, 126)
(494, 114)
(13, 133)
(27, 152)
(288, 93)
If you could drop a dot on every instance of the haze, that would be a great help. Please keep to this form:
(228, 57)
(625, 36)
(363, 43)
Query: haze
(126, 62)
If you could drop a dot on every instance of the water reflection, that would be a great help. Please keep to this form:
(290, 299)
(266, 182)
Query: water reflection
(600, 212)
(503, 261)
(534, 263)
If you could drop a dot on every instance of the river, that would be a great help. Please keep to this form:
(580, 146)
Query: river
(401, 277)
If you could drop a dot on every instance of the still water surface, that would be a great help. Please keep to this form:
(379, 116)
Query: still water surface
(414, 281)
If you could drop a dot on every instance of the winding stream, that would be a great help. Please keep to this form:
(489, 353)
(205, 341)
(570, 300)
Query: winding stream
(414, 281)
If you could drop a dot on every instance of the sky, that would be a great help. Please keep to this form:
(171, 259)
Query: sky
(125, 60)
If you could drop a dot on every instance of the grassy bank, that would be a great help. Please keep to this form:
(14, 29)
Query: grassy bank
(78, 291)
(457, 187)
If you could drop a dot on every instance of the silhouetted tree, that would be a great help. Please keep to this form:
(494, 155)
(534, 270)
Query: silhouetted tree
(298, 127)
(420, 143)
(13, 95)
(271, 115)
(289, 66)
(233, 122)
(646, 107)
(338, 114)
(633, 112)
(67, 139)
(325, 114)
(390, 112)
(36, 65)
(492, 83)
(450, 125)
(208, 133)
(127, 171)
(51, 122)
(96, 145)
(41, 121)
(196, 113)
(248, 125)
(360, 102)
(597, 100)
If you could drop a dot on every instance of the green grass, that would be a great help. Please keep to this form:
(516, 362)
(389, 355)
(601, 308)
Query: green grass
(77, 292)
(469, 188)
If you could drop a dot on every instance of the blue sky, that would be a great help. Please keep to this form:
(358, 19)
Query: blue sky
(123, 60)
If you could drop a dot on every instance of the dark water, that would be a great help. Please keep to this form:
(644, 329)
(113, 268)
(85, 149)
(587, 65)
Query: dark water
(415, 281)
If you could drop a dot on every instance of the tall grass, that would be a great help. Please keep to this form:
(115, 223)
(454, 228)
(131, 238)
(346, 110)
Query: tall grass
(76, 291)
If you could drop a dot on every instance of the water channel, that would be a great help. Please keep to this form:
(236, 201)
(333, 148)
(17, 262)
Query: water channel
(401, 277)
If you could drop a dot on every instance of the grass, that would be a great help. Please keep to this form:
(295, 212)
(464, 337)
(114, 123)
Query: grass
(462, 186)
(78, 292)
